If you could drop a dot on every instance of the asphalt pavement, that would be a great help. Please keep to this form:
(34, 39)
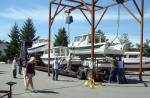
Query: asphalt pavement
(69, 87)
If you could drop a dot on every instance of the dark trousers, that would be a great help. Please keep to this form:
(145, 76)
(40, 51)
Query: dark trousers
(114, 71)
(14, 73)
(20, 69)
(122, 76)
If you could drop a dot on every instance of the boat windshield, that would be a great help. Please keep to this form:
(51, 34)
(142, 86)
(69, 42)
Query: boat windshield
(43, 40)
(35, 42)
(61, 52)
(83, 38)
(46, 51)
(78, 39)
(40, 41)
(57, 52)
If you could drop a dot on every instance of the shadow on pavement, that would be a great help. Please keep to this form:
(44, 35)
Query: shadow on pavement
(67, 80)
(46, 91)
(37, 91)
(67, 86)
(3, 72)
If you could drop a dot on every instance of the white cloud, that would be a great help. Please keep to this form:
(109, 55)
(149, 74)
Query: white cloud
(41, 14)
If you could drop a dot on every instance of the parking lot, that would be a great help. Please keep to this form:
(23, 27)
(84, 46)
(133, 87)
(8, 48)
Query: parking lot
(69, 87)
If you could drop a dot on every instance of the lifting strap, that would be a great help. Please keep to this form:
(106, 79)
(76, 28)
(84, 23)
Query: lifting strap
(118, 24)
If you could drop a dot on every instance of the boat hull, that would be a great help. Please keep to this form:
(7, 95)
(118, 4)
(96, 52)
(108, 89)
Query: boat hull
(99, 51)
(74, 61)
(39, 48)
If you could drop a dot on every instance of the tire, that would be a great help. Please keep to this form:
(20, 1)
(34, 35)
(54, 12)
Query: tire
(80, 75)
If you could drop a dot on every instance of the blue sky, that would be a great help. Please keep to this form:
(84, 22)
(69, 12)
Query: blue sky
(18, 11)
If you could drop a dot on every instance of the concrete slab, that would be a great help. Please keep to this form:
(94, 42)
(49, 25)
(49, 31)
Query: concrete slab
(69, 87)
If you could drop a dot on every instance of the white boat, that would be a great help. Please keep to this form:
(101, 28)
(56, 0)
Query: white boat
(131, 62)
(82, 46)
(39, 45)
(60, 52)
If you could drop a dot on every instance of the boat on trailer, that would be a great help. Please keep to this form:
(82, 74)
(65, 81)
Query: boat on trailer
(82, 46)
(38, 46)
(61, 52)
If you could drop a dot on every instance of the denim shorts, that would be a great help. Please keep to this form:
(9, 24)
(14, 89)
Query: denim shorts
(29, 75)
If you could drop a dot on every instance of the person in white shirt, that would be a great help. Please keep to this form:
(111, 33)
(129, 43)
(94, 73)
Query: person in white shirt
(121, 71)
(55, 68)
(14, 67)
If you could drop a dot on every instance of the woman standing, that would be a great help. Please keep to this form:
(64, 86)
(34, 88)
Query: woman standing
(30, 72)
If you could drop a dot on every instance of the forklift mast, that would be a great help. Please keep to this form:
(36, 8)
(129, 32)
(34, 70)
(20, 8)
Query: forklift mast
(23, 53)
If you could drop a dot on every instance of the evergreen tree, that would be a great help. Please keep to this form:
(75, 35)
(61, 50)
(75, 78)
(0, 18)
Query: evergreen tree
(28, 31)
(146, 47)
(124, 39)
(102, 34)
(1, 41)
(62, 38)
(13, 46)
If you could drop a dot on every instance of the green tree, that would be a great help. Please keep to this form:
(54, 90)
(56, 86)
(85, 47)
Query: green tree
(1, 41)
(102, 34)
(124, 39)
(146, 46)
(62, 38)
(13, 46)
(28, 31)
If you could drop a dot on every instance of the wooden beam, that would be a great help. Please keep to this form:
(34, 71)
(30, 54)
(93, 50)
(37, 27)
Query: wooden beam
(137, 7)
(85, 17)
(110, 5)
(85, 3)
(68, 6)
(131, 13)
(101, 17)
(86, 7)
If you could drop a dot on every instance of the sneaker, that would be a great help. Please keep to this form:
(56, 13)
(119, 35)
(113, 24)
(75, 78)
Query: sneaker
(34, 91)
(26, 89)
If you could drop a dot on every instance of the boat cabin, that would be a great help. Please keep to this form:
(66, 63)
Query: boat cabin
(85, 39)
(40, 41)
(58, 51)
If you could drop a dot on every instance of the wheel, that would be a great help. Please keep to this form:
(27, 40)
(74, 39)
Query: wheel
(80, 74)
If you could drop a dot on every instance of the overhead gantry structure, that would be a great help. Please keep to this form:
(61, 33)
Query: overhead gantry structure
(92, 8)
